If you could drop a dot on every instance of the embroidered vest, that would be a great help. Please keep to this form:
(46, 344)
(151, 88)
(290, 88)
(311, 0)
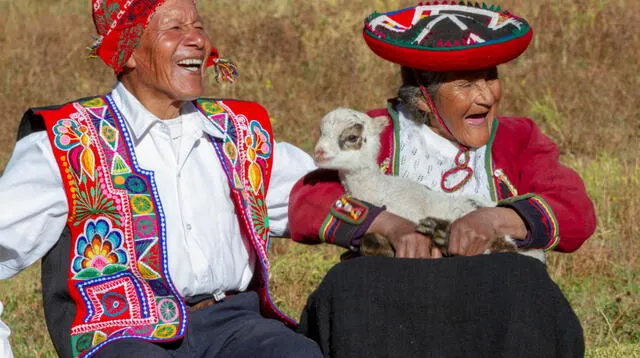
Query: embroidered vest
(117, 274)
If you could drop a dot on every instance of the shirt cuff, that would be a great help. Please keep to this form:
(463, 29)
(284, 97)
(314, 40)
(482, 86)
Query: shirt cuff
(348, 220)
(542, 226)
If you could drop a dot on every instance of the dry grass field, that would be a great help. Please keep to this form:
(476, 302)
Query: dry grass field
(580, 80)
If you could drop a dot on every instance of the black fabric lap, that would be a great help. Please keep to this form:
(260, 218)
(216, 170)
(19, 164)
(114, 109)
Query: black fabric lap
(499, 305)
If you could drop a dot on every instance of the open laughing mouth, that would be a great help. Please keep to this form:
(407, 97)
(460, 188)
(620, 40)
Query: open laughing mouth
(476, 119)
(191, 64)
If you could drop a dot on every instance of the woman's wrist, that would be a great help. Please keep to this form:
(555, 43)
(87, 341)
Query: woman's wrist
(507, 221)
(387, 224)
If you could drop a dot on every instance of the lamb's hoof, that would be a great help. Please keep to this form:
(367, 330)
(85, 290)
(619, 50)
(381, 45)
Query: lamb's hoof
(503, 244)
(437, 230)
(374, 244)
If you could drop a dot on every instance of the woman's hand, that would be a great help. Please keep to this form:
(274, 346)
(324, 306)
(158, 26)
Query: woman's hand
(405, 240)
(473, 233)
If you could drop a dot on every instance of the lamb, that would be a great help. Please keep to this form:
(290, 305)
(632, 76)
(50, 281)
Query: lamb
(349, 143)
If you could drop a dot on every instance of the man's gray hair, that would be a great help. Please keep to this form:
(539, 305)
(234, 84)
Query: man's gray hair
(409, 92)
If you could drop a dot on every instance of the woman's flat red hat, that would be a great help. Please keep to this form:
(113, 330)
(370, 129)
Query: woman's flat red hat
(448, 36)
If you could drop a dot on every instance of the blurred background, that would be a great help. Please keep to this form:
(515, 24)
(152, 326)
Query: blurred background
(580, 81)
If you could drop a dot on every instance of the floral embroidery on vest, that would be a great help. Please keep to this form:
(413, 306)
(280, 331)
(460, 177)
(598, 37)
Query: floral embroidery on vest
(246, 156)
(247, 168)
(118, 275)
(99, 251)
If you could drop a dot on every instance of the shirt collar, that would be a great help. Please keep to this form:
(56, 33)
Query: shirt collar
(140, 120)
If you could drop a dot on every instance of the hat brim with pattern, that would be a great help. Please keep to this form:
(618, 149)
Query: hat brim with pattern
(447, 37)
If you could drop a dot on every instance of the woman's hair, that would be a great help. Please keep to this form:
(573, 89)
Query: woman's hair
(409, 92)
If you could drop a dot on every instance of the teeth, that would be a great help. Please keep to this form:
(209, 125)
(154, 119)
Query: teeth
(190, 62)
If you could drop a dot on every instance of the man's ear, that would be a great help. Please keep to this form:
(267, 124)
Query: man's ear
(131, 63)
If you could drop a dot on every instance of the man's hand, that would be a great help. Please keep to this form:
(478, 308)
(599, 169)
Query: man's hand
(473, 233)
(401, 233)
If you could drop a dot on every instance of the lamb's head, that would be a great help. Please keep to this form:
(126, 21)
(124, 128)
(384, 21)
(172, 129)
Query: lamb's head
(349, 140)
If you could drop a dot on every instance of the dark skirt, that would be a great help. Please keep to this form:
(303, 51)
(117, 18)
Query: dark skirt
(499, 305)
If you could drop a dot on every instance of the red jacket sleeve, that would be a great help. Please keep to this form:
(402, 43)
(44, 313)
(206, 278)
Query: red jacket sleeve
(320, 211)
(309, 203)
(553, 200)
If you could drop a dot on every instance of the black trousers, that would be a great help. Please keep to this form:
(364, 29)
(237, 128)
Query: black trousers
(499, 305)
(228, 329)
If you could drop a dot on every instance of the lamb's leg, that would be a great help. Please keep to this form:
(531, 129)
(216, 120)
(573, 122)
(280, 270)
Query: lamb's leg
(374, 244)
(503, 244)
(437, 230)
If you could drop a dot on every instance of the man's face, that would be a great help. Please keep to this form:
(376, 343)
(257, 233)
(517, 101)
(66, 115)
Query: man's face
(169, 60)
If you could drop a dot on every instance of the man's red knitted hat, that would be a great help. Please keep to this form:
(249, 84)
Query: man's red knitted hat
(120, 24)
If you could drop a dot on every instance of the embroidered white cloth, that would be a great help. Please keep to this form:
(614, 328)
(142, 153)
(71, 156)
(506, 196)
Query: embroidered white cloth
(205, 249)
(425, 157)
(5, 347)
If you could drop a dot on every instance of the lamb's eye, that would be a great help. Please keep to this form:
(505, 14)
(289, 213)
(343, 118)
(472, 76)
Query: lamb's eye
(352, 138)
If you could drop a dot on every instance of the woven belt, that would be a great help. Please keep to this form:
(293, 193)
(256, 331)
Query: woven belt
(198, 302)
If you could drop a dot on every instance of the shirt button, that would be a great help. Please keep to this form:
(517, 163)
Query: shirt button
(188, 227)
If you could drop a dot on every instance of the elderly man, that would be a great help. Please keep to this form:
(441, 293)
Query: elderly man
(5, 347)
(149, 205)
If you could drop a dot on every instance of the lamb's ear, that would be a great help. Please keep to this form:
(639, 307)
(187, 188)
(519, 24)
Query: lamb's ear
(379, 123)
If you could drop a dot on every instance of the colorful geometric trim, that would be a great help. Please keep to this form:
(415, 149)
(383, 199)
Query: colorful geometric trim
(328, 229)
(348, 219)
(447, 37)
(106, 301)
(395, 163)
(250, 171)
(495, 196)
(539, 218)
(349, 210)
(246, 155)
(553, 228)
(389, 156)
(145, 245)
(336, 231)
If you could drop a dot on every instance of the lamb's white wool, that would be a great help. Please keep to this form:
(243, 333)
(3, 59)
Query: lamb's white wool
(349, 142)
(344, 141)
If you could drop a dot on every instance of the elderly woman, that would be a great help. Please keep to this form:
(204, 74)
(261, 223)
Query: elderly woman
(444, 132)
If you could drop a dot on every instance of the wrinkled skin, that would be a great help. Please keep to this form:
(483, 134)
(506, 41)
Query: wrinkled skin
(175, 33)
(467, 102)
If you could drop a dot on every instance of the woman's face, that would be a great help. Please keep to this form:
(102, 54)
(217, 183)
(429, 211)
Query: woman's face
(467, 102)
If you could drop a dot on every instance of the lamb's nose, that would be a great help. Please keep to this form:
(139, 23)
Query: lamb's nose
(318, 154)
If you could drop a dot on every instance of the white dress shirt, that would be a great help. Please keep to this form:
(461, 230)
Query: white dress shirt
(206, 252)
(425, 156)
(5, 347)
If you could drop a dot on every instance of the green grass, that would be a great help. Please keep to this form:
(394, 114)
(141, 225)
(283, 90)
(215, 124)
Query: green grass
(580, 80)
